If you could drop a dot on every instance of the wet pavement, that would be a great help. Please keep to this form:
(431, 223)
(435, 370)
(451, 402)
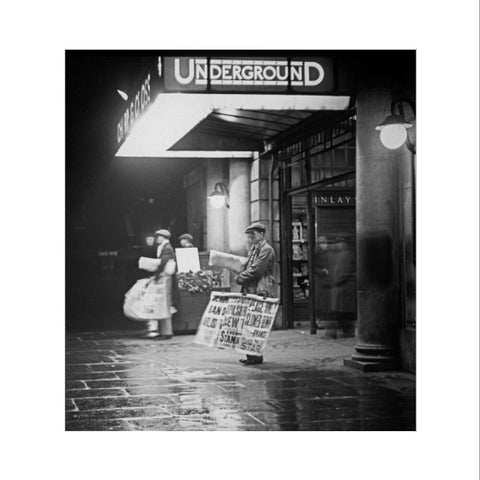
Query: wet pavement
(117, 381)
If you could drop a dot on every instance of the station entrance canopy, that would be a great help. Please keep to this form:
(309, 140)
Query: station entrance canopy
(223, 107)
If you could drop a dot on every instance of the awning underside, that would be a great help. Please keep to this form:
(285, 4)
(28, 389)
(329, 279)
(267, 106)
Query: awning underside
(220, 125)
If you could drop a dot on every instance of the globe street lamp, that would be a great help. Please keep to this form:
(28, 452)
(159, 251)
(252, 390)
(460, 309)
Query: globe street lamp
(393, 130)
(219, 197)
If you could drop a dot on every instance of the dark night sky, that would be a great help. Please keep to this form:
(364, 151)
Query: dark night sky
(93, 107)
(99, 187)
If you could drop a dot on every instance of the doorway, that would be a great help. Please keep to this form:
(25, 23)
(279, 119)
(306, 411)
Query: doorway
(318, 234)
(335, 267)
(320, 260)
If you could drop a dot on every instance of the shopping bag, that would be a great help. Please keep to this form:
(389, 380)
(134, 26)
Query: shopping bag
(131, 304)
(148, 299)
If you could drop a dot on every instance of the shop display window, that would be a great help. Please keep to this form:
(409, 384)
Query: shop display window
(300, 254)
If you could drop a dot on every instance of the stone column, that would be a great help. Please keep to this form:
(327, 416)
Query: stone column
(378, 239)
(239, 212)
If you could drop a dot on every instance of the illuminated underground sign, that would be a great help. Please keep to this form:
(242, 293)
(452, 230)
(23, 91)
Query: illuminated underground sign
(234, 74)
(138, 104)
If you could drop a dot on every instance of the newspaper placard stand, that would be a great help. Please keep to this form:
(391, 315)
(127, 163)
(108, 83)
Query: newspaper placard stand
(238, 322)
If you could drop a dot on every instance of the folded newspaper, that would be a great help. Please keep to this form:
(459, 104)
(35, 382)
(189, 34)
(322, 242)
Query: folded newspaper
(234, 263)
(148, 264)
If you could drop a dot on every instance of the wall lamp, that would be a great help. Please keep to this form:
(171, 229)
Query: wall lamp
(393, 130)
(122, 94)
(219, 197)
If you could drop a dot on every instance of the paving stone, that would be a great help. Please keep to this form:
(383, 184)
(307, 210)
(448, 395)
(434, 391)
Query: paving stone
(89, 375)
(289, 384)
(308, 416)
(228, 404)
(217, 407)
(91, 352)
(84, 404)
(230, 386)
(201, 378)
(75, 385)
(142, 372)
(70, 405)
(112, 366)
(97, 425)
(79, 359)
(365, 402)
(82, 368)
(116, 414)
(262, 393)
(96, 393)
(314, 374)
(168, 424)
(389, 412)
(204, 390)
(125, 383)
(366, 424)
(197, 422)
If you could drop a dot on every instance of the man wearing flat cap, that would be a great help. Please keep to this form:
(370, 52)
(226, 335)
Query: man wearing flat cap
(186, 240)
(162, 328)
(257, 277)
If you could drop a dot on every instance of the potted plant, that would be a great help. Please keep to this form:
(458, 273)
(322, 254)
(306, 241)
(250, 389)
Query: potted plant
(195, 289)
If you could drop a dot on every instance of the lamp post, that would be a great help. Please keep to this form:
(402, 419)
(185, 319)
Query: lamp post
(219, 197)
(393, 130)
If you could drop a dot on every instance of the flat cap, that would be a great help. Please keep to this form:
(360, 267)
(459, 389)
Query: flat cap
(259, 227)
(164, 233)
(186, 236)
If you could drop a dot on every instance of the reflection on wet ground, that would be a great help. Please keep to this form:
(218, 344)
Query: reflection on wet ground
(118, 383)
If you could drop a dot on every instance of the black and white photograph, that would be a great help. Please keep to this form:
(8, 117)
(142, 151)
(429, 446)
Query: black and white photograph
(241, 240)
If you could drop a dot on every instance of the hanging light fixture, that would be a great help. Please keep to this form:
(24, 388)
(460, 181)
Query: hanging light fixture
(393, 130)
(219, 197)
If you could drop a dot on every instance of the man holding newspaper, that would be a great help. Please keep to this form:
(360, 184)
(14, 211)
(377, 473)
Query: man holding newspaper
(257, 276)
(157, 303)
